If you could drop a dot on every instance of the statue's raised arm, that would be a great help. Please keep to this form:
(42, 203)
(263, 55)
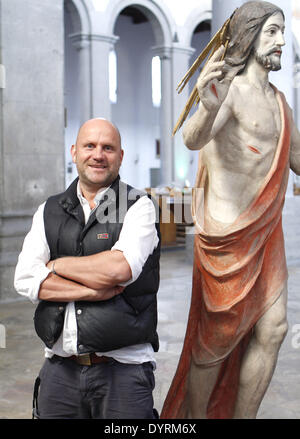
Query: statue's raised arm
(213, 86)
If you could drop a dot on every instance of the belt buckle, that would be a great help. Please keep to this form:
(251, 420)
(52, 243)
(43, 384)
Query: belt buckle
(84, 360)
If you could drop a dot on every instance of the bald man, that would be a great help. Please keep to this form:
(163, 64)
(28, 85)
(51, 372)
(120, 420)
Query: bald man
(91, 263)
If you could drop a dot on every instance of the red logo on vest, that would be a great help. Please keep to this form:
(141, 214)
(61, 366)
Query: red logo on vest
(102, 236)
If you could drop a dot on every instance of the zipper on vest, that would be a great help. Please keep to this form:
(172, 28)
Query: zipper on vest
(79, 251)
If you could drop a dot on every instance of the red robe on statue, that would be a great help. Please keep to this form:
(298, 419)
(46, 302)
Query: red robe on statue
(238, 274)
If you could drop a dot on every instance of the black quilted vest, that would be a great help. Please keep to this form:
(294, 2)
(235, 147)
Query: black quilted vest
(127, 319)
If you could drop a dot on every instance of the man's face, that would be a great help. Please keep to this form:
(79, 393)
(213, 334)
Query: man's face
(97, 153)
(267, 47)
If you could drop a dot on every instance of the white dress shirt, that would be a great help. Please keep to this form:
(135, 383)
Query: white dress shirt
(137, 240)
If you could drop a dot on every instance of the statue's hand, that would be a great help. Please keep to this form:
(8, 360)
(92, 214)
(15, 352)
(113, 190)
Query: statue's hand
(214, 81)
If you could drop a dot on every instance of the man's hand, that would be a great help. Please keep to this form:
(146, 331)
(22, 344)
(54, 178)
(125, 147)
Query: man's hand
(214, 81)
(105, 293)
(57, 289)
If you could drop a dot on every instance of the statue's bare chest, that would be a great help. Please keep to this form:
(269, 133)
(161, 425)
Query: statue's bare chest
(259, 119)
(247, 144)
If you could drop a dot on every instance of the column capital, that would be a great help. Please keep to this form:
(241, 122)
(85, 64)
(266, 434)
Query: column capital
(166, 52)
(183, 50)
(81, 41)
(103, 38)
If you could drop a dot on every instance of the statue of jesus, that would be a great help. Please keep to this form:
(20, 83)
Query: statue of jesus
(247, 142)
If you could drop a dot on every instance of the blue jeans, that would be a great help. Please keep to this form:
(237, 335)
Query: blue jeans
(109, 390)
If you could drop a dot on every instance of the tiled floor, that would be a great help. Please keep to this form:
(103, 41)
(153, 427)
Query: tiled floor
(20, 361)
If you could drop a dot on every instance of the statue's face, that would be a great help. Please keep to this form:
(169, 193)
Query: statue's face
(268, 46)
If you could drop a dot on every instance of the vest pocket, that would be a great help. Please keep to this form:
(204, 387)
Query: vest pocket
(49, 321)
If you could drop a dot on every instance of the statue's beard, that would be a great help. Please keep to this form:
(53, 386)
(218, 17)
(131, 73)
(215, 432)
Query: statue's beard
(269, 61)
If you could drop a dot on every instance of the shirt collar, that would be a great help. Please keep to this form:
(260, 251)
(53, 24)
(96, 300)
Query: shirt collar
(83, 201)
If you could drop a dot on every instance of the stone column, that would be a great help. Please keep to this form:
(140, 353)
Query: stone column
(82, 44)
(222, 10)
(182, 155)
(100, 48)
(31, 121)
(283, 79)
(166, 114)
(296, 91)
(2, 233)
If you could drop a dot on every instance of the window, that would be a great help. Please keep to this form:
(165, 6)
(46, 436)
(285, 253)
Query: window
(112, 77)
(156, 81)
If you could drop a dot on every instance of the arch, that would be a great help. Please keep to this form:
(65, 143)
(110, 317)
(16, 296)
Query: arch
(77, 93)
(160, 24)
(79, 15)
(296, 45)
(192, 22)
(135, 46)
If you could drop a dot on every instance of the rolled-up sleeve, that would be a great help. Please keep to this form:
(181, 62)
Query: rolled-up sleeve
(31, 268)
(138, 237)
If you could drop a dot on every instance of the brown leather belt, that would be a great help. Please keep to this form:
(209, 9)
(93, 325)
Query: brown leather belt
(89, 359)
